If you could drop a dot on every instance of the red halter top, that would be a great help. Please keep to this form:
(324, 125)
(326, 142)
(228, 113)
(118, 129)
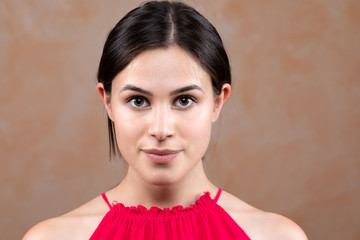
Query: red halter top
(203, 220)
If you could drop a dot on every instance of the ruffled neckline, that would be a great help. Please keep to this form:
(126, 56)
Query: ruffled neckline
(204, 219)
(199, 204)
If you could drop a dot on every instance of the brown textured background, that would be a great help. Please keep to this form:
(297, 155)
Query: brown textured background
(288, 140)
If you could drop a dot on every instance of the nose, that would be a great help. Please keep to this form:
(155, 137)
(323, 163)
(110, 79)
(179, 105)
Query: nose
(161, 125)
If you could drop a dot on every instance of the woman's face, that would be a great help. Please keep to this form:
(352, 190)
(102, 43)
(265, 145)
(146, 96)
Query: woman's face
(163, 107)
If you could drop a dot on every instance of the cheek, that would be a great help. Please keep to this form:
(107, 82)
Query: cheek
(197, 131)
(128, 129)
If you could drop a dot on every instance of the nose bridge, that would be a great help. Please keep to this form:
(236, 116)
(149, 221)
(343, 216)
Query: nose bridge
(161, 126)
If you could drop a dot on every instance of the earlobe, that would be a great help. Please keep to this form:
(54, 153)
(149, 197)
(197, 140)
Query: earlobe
(224, 95)
(105, 97)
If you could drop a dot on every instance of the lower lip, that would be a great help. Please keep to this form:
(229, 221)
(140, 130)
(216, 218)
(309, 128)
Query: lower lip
(161, 159)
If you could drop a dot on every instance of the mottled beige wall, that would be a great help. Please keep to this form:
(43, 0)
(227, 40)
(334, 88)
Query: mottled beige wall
(288, 140)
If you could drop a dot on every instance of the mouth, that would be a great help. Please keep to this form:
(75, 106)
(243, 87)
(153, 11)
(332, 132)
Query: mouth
(161, 156)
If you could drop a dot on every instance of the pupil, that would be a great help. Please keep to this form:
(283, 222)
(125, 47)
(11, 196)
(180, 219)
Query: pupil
(184, 101)
(138, 101)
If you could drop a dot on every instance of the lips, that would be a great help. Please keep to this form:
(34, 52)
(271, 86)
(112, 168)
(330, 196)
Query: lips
(161, 156)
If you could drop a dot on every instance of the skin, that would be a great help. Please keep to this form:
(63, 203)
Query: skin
(163, 100)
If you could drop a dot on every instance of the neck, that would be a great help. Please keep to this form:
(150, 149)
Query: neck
(134, 190)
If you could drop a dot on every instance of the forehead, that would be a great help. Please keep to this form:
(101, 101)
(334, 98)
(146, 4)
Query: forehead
(168, 67)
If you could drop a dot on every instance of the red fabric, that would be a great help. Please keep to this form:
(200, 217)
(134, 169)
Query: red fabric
(203, 220)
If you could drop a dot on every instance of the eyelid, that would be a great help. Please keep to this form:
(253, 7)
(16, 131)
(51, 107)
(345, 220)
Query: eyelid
(186, 96)
(131, 98)
(193, 99)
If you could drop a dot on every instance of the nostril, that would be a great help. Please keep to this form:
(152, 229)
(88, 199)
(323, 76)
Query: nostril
(161, 135)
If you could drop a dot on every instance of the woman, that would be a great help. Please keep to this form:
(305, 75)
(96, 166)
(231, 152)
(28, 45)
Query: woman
(163, 77)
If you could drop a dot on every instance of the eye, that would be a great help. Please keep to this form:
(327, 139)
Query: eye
(184, 101)
(138, 102)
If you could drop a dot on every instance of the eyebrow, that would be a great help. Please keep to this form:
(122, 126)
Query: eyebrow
(186, 88)
(136, 89)
(177, 91)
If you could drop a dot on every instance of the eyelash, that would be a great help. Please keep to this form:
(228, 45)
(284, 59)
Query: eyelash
(192, 99)
(131, 101)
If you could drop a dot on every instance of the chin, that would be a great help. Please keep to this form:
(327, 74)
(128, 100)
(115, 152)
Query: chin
(163, 181)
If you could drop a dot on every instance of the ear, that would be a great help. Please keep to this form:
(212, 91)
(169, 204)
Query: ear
(105, 98)
(220, 100)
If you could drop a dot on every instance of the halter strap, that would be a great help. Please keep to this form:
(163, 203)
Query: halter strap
(218, 195)
(106, 200)
(108, 203)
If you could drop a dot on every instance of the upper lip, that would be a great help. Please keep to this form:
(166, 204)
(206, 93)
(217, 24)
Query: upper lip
(160, 151)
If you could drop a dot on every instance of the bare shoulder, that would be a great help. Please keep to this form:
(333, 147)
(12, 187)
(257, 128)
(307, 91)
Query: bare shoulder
(259, 224)
(80, 223)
